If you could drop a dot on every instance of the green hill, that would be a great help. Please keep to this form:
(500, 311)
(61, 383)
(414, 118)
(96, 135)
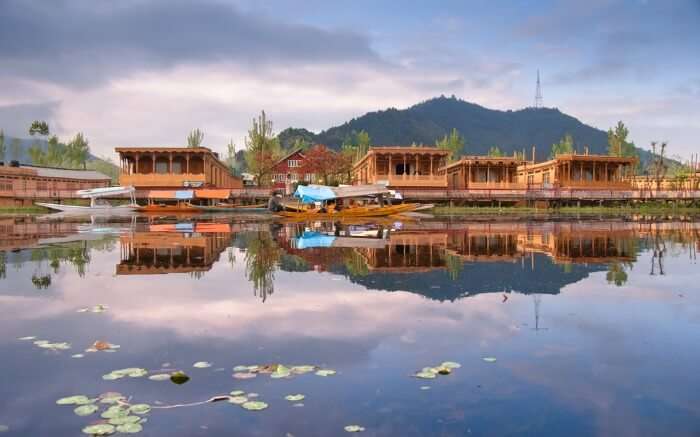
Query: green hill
(481, 127)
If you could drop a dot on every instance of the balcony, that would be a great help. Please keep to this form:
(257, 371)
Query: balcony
(161, 180)
(425, 181)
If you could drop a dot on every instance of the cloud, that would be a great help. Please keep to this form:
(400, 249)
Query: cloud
(83, 43)
(15, 119)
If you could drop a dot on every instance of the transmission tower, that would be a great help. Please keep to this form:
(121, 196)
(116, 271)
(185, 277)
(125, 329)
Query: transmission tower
(538, 92)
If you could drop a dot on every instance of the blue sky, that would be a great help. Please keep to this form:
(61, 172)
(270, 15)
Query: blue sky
(145, 72)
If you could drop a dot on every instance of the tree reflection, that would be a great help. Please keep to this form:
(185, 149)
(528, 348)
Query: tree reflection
(617, 274)
(262, 257)
(454, 265)
(355, 264)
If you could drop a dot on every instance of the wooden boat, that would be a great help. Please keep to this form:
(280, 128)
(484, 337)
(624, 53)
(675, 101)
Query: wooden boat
(359, 211)
(98, 205)
(232, 208)
(181, 207)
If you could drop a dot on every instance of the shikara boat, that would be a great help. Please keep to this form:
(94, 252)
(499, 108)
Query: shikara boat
(232, 208)
(180, 207)
(157, 199)
(98, 205)
(350, 212)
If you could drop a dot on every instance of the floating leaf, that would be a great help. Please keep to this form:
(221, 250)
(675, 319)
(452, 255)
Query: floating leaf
(27, 338)
(325, 372)
(77, 356)
(160, 377)
(54, 346)
(244, 375)
(99, 308)
(424, 387)
(201, 365)
(300, 370)
(130, 428)
(425, 375)
(252, 395)
(86, 410)
(490, 359)
(444, 371)
(254, 405)
(111, 397)
(237, 393)
(40, 342)
(82, 310)
(122, 420)
(179, 378)
(101, 429)
(115, 411)
(240, 369)
(131, 372)
(450, 365)
(104, 346)
(281, 372)
(295, 398)
(354, 428)
(74, 400)
(238, 400)
(140, 408)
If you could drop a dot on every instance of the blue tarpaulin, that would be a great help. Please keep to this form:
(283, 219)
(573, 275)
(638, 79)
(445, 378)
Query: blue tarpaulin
(308, 240)
(314, 193)
(184, 194)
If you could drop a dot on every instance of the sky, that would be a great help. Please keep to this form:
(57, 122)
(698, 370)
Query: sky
(146, 72)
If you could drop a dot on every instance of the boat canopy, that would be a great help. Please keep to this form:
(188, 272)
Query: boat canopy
(320, 193)
(171, 194)
(105, 191)
(208, 193)
(309, 239)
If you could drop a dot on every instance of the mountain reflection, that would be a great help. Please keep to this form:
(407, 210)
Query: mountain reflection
(439, 260)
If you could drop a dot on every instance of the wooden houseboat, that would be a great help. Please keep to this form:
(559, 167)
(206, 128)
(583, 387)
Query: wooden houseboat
(402, 167)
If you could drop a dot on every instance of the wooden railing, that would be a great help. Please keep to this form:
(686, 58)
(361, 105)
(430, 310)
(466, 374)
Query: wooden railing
(413, 180)
(160, 180)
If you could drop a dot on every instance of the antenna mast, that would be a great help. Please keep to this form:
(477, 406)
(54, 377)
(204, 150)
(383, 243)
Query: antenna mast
(538, 92)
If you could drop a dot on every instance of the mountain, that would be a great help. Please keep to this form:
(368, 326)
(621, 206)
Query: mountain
(481, 127)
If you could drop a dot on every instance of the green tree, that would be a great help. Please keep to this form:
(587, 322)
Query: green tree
(262, 149)
(2, 145)
(36, 155)
(362, 141)
(454, 144)
(16, 149)
(78, 150)
(565, 146)
(300, 144)
(39, 128)
(195, 138)
(617, 138)
(55, 154)
(495, 152)
(616, 274)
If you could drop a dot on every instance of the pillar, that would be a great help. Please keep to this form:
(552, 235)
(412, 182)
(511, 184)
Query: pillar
(187, 163)
(431, 165)
(170, 164)
(153, 170)
(404, 166)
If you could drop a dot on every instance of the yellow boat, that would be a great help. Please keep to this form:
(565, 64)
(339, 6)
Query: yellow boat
(350, 212)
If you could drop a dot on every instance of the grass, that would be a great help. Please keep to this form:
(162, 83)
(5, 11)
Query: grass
(23, 209)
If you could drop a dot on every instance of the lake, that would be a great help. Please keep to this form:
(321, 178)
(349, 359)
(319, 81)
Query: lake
(514, 325)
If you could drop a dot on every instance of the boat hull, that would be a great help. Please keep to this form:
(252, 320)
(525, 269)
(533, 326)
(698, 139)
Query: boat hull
(374, 211)
(88, 209)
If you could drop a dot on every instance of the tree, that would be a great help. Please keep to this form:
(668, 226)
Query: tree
(79, 150)
(262, 149)
(658, 166)
(495, 152)
(322, 162)
(565, 146)
(195, 138)
(16, 149)
(362, 141)
(39, 128)
(617, 139)
(454, 144)
(2, 145)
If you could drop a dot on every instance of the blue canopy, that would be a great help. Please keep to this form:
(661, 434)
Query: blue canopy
(308, 240)
(184, 194)
(314, 193)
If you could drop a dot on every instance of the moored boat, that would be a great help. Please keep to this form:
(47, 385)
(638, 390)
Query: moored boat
(98, 205)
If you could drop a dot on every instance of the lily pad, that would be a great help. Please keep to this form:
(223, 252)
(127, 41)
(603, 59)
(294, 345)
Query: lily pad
(82, 310)
(237, 393)
(99, 308)
(238, 400)
(40, 342)
(131, 372)
(354, 428)
(300, 370)
(74, 400)
(240, 369)
(160, 377)
(425, 375)
(179, 378)
(489, 359)
(450, 365)
(86, 410)
(281, 372)
(253, 395)
(254, 405)
(101, 429)
(55, 346)
(444, 371)
(130, 428)
(140, 408)
(201, 365)
(111, 397)
(244, 375)
(77, 356)
(325, 372)
(31, 337)
(122, 420)
(295, 398)
(115, 411)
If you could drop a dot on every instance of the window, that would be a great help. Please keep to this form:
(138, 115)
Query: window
(545, 178)
(5, 185)
(42, 185)
(161, 167)
(530, 179)
(292, 163)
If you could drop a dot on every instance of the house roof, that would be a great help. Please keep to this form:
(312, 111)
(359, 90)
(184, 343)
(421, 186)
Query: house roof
(157, 149)
(494, 160)
(290, 155)
(64, 173)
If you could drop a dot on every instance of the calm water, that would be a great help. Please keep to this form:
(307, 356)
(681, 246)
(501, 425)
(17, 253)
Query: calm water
(593, 325)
